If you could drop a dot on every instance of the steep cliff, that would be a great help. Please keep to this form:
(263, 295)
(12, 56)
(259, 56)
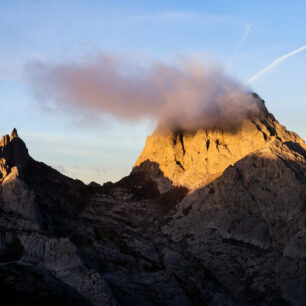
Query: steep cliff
(249, 224)
(195, 158)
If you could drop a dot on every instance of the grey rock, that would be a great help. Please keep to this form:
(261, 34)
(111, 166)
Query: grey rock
(238, 239)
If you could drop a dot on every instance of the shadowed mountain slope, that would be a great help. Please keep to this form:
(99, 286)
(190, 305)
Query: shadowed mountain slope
(210, 217)
(99, 244)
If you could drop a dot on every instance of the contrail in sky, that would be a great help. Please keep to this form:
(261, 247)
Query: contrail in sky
(274, 63)
(239, 45)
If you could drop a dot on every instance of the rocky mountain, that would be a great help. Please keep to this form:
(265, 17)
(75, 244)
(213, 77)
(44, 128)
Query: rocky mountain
(206, 217)
(196, 158)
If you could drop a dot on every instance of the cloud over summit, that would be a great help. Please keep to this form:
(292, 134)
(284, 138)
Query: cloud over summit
(186, 95)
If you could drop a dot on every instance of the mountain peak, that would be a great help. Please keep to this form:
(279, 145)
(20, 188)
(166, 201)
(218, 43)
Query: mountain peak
(13, 153)
(14, 134)
(4, 140)
(196, 158)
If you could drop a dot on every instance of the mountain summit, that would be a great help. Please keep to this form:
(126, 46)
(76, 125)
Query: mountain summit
(196, 158)
(207, 217)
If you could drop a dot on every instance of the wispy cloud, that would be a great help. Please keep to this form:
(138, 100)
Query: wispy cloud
(240, 43)
(274, 64)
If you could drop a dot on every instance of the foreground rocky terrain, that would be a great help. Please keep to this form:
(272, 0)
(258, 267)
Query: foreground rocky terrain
(209, 217)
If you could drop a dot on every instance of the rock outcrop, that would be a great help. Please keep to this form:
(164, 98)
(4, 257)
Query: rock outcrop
(71, 244)
(252, 219)
(13, 153)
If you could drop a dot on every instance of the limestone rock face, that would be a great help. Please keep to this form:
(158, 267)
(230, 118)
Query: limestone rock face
(194, 159)
(251, 199)
(252, 219)
(236, 236)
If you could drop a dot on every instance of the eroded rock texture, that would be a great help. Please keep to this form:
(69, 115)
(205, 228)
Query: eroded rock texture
(196, 158)
(205, 218)
(67, 243)
(249, 225)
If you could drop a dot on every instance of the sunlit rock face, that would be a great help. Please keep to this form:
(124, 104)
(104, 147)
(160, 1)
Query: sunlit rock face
(196, 158)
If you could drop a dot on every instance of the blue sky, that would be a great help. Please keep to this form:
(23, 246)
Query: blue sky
(242, 36)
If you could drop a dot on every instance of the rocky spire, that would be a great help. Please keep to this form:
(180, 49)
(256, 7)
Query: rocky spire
(14, 134)
(13, 152)
(4, 140)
